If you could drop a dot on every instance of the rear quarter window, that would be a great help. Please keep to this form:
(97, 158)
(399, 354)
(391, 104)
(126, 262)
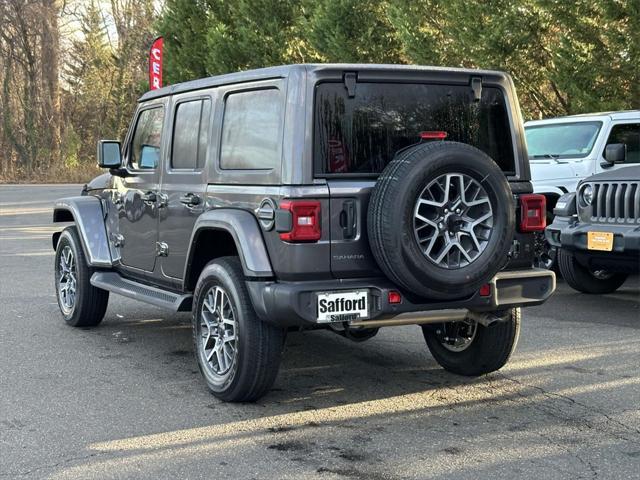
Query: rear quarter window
(252, 130)
(361, 134)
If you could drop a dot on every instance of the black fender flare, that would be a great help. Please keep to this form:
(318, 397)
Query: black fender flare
(87, 214)
(244, 229)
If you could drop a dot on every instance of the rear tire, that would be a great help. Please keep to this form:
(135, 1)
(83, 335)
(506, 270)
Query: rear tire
(81, 304)
(488, 350)
(580, 278)
(238, 354)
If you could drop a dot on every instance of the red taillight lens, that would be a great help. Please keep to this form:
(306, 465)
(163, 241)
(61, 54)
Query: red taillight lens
(305, 221)
(394, 297)
(433, 135)
(485, 290)
(533, 212)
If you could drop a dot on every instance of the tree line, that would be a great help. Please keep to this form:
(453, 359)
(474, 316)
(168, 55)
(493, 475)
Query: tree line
(70, 71)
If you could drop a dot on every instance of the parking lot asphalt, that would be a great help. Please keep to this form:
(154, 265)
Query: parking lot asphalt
(125, 399)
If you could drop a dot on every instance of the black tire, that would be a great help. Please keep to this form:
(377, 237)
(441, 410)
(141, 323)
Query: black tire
(390, 219)
(89, 303)
(489, 350)
(258, 348)
(580, 278)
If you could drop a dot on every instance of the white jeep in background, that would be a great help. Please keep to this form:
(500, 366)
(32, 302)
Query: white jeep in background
(565, 150)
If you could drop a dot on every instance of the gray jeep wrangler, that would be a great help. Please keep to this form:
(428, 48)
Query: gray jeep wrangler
(347, 197)
(597, 228)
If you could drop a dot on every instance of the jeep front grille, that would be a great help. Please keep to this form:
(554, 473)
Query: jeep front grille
(616, 202)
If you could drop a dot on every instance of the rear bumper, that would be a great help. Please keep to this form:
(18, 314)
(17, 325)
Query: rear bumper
(294, 303)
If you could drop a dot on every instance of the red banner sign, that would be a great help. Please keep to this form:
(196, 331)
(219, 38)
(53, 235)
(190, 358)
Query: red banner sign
(155, 64)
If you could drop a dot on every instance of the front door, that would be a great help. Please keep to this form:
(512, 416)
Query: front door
(138, 193)
(184, 180)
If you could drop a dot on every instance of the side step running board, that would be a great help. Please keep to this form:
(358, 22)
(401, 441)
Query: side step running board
(113, 282)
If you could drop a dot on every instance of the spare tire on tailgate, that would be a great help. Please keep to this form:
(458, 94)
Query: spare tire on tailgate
(441, 219)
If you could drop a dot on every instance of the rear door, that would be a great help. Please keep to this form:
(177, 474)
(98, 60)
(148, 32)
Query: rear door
(184, 179)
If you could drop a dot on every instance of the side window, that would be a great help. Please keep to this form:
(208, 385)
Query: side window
(252, 130)
(190, 130)
(629, 134)
(145, 146)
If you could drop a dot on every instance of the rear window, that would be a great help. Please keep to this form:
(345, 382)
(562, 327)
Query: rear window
(360, 135)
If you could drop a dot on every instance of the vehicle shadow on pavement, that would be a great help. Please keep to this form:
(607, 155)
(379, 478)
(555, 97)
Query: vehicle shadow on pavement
(323, 370)
(339, 408)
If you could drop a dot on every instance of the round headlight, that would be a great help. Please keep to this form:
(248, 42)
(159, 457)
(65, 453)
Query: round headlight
(587, 194)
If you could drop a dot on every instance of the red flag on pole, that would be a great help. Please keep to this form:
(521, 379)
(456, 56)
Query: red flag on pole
(155, 64)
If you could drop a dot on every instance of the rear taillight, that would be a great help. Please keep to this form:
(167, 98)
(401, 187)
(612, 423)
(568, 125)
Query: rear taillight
(305, 221)
(533, 212)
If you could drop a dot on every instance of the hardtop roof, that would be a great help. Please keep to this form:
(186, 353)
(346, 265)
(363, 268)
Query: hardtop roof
(285, 70)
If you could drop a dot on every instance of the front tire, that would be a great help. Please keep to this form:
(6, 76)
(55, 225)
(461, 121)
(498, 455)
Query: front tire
(238, 354)
(81, 304)
(470, 349)
(582, 279)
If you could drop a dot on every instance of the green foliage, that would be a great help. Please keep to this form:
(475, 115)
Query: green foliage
(72, 146)
(70, 72)
(184, 24)
(249, 34)
(216, 36)
(565, 57)
(357, 31)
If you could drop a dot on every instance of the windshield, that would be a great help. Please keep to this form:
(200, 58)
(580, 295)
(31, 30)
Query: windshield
(562, 140)
(360, 134)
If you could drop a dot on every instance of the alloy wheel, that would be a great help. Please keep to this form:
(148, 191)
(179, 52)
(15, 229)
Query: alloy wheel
(453, 220)
(457, 336)
(67, 280)
(218, 331)
(601, 274)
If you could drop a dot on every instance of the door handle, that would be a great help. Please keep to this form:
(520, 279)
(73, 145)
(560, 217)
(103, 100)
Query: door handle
(149, 197)
(190, 199)
(348, 219)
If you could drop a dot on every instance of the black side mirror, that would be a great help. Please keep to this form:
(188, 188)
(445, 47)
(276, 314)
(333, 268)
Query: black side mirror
(109, 154)
(616, 153)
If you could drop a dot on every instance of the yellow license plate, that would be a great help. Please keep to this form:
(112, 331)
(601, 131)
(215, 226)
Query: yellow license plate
(600, 241)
